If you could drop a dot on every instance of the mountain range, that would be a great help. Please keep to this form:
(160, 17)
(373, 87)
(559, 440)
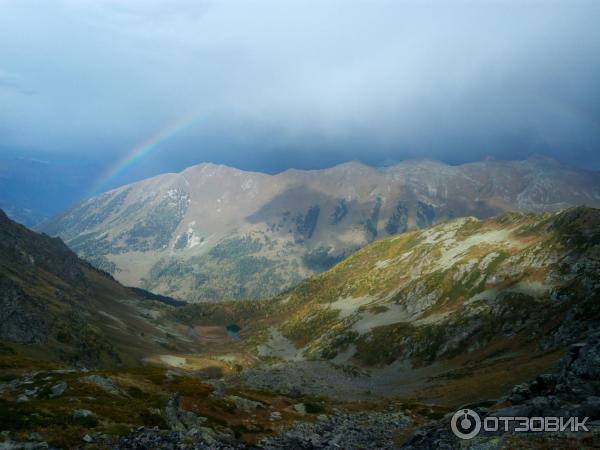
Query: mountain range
(213, 232)
(373, 353)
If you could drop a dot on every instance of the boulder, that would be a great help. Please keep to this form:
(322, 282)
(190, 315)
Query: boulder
(106, 384)
(179, 419)
(58, 389)
(299, 408)
(83, 413)
(244, 403)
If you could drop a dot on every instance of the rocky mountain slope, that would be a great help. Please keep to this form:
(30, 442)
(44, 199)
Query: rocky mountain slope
(214, 232)
(55, 306)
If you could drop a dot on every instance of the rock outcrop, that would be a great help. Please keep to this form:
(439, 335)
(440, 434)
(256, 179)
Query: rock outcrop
(23, 319)
(574, 391)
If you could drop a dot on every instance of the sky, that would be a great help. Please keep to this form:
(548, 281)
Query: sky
(275, 84)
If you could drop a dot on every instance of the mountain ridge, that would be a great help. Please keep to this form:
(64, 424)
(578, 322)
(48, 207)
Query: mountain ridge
(190, 235)
(53, 302)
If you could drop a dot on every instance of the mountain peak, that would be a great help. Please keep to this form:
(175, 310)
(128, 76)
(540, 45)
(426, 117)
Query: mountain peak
(189, 233)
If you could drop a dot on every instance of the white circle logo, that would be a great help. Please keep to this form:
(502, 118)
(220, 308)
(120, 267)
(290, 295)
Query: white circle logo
(465, 424)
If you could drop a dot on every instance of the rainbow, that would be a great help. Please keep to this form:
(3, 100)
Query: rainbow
(142, 149)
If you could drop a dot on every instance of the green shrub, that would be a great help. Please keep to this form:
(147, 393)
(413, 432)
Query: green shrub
(314, 408)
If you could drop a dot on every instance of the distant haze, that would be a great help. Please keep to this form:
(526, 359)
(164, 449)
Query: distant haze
(307, 84)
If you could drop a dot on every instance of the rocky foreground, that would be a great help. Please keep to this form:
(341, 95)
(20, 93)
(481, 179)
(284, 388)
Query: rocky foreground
(343, 429)
(572, 392)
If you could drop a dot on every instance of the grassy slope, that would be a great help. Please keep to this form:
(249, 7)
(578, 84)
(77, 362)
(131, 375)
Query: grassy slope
(498, 312)
(409, 272)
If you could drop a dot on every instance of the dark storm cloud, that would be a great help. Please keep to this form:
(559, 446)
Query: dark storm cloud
(304, 83)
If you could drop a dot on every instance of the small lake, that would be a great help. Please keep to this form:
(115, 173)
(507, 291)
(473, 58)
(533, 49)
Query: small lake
(233, 330)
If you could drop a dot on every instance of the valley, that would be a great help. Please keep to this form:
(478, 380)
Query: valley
(367, 354)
